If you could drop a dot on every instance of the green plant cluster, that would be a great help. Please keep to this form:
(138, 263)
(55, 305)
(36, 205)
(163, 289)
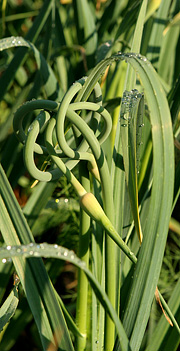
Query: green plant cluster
(89, 175)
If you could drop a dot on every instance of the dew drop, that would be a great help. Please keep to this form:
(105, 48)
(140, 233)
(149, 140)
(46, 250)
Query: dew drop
(65, 253)
(55, 246)
(30, 128)
(4, 260)
(36, 254)
(8, 247)
(82, 263)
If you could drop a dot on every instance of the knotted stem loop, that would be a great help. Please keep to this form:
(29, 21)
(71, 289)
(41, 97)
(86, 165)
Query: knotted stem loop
(54, 114)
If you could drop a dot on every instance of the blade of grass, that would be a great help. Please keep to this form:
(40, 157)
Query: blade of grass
(165, 336)
(22, 317)
(33, 276)
(156, 38)
(161, 192)
(86, 30)
(8, 308)
(18, 16)
(106, 23)
(153, 244)
(48, 77)
(160, 206)
(35, 302)
(20, 55)
(48, 250)
(129, 134)
(167, 67)
(129, 18)
(130, 125)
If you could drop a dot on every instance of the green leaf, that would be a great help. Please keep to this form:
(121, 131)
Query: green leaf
(129, 18)
(165, 337)
(49, 250)
(36, 284)
(49, 80)
(20, 55)
(18, 323)
(154, 232)
(156, 225)
(131, 138)
(132, 110)
(8, 308)
(156, 38)
(86, 30)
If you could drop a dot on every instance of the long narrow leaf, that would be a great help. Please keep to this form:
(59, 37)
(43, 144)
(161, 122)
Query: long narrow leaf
(35, 281)
(48, 250)
(164, 335)
(155, 228)
(8, 308)
(155, 231)
(129, 135)
(86, 30)
(49, 80)
(18, 59)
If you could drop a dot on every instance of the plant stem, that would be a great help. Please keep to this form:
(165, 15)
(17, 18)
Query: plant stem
(82, 292)
(110, 263)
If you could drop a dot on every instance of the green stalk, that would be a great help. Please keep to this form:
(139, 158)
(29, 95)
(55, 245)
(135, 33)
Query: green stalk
(106, 189)
(87, 200)
(82, 292)
(88, 134)
(110, 264)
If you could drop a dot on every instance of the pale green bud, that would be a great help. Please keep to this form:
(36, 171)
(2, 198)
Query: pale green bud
(92, 207)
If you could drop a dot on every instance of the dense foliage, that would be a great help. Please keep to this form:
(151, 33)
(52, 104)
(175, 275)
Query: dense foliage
(89, 175)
